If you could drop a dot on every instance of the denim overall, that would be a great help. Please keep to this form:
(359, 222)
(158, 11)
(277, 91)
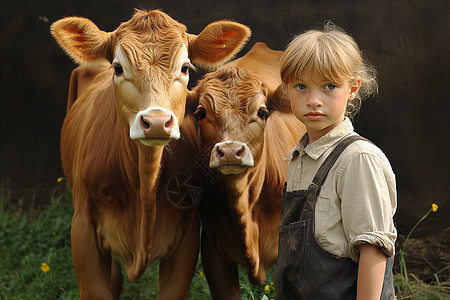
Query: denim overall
(304, 270)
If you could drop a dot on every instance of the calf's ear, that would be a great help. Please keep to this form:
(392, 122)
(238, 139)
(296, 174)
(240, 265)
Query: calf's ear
(277, 100)
(81, 39)
(217, 43)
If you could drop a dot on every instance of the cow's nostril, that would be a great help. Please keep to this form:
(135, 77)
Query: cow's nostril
(144, 124)
(221, 154)
(240, 152)
(169, 123)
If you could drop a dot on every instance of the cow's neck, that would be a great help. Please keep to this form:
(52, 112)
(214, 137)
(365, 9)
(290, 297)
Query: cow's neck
(149, 165)
(242, 193)
(245, 186)
(149, 169)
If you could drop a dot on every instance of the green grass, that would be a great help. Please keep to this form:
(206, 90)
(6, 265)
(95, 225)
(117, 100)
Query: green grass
(408, 286)
(30, 237)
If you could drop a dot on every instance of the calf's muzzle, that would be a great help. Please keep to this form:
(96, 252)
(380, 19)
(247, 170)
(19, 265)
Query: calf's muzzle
(231, 157)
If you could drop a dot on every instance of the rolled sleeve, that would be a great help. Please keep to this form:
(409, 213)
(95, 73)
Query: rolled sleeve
(368, 194)
(384, 240)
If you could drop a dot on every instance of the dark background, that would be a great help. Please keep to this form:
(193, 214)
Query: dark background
(407, 41)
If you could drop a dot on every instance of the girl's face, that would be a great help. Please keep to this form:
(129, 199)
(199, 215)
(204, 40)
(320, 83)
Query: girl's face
(320, 103)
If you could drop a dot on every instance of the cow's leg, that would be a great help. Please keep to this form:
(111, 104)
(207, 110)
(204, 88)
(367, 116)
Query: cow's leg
(250, 230)
(222, 276)
(177, 271)
(116, 278)
(92, 268)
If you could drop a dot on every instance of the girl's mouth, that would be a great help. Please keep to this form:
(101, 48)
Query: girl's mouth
(314, 115)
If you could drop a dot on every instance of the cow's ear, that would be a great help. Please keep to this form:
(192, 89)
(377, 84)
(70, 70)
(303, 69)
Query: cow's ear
(191, 102)
(277, 100)
(81, 39)
(217, 43)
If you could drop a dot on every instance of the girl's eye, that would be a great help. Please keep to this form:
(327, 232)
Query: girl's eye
(200, 113)
(330, 86)
(263, 113)
(118, 69)
(301, 87)
(185, 69)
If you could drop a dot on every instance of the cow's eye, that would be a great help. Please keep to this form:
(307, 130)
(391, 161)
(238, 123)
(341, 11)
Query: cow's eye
(118, 69)
(263, 113)
(185, 69)
(200, 113)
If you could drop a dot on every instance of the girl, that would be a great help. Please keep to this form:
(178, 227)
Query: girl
(336, 231)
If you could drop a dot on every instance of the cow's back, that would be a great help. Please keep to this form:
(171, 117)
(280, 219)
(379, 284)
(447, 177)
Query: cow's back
(264, 62)
(81, 77)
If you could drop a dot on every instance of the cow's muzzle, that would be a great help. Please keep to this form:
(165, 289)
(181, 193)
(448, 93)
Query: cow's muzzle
(155, 126)
(231, 157)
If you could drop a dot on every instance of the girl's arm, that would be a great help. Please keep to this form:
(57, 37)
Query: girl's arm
(372, 264)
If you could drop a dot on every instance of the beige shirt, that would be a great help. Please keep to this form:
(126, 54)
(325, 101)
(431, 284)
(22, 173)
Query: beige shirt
(358, 199)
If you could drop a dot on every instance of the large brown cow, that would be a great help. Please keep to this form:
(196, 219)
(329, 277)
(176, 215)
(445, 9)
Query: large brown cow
(244, 118)
(130, 207)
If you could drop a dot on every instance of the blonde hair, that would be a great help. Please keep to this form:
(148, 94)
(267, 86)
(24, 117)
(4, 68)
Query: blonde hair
(334, 55)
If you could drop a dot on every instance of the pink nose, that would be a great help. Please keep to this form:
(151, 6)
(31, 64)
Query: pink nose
(157, 124)
(230, 155)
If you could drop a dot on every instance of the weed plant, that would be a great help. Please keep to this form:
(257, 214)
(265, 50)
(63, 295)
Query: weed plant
(408, 286)
(36, 260)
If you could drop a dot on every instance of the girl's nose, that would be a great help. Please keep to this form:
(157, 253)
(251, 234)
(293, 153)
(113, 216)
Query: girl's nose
(314, 101)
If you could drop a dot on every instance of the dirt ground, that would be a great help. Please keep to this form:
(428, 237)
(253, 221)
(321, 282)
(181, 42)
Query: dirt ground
(426, 255)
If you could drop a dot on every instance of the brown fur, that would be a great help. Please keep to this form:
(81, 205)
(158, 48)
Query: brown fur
(240, 214)
(122, 209)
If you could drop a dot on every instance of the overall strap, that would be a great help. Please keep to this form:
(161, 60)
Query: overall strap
(322, 173)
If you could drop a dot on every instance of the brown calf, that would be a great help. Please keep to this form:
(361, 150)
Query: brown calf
(247, 131)
(122, 152)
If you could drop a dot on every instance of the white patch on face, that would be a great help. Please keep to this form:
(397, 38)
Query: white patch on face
(122, 59)
(182, 58)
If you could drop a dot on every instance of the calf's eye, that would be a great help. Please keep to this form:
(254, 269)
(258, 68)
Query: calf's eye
(185, 69)
(200, 113)
(263, 113)
(118, 69)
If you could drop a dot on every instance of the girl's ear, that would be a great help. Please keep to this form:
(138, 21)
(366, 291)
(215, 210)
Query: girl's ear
(354, 89)
(278, 100)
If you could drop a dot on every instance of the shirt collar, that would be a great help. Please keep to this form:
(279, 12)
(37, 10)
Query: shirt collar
(300, 146)
(318, 147)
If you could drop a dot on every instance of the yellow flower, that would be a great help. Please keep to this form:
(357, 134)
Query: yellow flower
(271, 283)
(45, 268)
(201, 273)
(434, 207)
(60, 179)
(266, 288)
